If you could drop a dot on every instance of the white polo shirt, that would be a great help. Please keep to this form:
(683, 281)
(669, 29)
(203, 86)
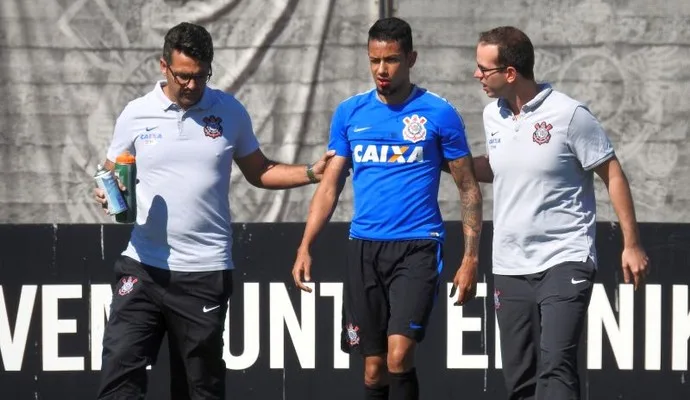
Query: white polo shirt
(542, 160)
(183, 161)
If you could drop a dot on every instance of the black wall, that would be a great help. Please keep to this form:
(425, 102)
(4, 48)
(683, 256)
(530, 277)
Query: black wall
(45, 255)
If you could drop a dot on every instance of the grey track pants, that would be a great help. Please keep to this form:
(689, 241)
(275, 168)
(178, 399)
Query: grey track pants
(541, 317)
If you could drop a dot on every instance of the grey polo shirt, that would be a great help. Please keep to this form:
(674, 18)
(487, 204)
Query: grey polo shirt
(183, 161)
(542, 160)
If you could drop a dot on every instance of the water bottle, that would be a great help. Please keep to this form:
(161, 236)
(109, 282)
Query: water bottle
(126, 171)
(106, 181)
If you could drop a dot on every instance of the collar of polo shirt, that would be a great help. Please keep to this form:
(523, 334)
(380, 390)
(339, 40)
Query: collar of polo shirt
(545, 90)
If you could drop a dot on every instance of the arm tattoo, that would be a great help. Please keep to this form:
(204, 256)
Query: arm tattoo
(471, 199)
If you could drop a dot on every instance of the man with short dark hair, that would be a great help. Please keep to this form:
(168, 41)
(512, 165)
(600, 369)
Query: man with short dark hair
(543, 149)
(175, 276)
(396, 138)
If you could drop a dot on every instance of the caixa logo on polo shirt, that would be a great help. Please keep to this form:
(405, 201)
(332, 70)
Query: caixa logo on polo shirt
(151, 135)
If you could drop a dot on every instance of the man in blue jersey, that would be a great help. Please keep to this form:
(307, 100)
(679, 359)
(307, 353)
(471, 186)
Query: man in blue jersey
(395, 138)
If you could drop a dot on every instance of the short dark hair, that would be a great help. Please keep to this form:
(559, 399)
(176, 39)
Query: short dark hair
(514, 48)
(191, 40)
(392, 30)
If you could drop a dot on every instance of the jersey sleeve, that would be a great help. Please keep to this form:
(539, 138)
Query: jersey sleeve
(338, 135)
(123, 137)
(246, 142)
(453, 138)
(587, 139)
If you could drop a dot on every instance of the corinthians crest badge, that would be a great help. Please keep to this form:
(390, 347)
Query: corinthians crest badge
(352, 335)
(127, 285)
(213, 127)
(414, 129)
(542, 134)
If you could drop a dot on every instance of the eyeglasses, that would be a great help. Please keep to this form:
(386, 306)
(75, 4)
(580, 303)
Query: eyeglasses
(485, 70)
(184, 79)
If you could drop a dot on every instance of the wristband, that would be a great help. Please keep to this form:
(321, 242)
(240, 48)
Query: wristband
(310, 174)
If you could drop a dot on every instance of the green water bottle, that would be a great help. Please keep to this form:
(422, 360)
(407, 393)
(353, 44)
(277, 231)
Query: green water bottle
(126, 171)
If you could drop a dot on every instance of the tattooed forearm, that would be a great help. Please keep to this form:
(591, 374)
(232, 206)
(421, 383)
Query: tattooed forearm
(471, 201)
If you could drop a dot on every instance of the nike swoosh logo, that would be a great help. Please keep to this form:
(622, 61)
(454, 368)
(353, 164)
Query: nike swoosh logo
(151, 128)
(207, 309)
(575, 282)
(415, 326)
(362, 129)
(494, 133)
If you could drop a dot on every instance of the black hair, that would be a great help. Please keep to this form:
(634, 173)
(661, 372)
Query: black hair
(514, 49)
(392, 30)
(190, 39)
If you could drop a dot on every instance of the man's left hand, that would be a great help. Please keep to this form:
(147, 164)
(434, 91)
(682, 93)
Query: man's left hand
(634, 262)
(320, 166)
(465, 282)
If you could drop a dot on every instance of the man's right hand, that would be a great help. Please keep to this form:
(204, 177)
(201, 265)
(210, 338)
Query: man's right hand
(301, 271)
(99, 195)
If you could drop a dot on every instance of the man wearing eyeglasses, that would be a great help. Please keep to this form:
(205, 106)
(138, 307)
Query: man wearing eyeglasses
(543, 149)
(175, 275)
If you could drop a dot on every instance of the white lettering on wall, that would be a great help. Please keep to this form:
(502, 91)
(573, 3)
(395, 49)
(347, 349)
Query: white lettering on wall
(12, 346)
(680, 329)
(303, 335)
(612, 318)
(252, 343)
(53, 326)
(601, 316)
(457, 324)
(101, 297)
(341, 360)
(652, 331)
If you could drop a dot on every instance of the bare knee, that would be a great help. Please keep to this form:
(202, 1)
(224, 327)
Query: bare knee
(400, 353)
(399, 361)
(375, 373)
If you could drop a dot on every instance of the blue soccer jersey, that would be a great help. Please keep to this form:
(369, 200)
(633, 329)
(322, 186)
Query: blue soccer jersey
(396, 153)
